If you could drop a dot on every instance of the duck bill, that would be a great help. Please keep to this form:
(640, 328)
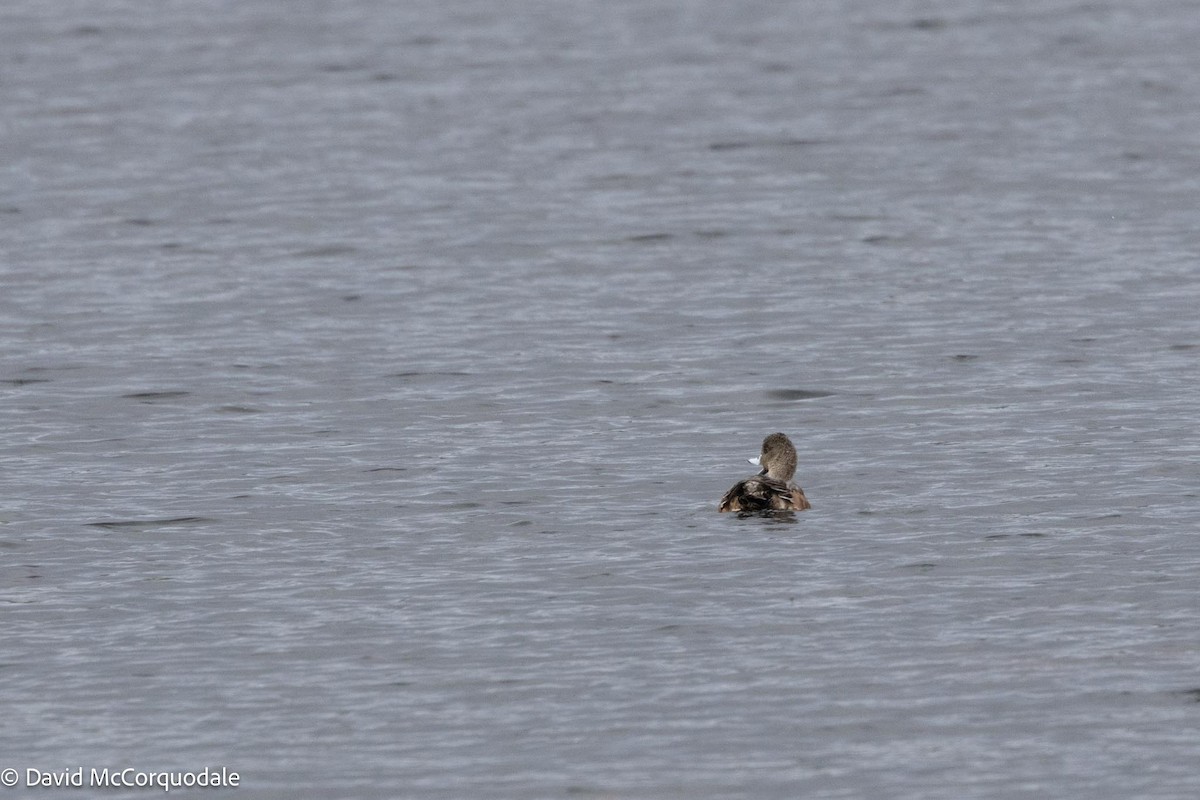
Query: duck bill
(757, 461)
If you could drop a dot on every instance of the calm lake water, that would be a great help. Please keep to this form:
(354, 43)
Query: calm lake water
(370, 372)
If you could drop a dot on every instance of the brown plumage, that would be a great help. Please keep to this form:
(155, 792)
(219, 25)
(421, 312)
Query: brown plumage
(772, 489)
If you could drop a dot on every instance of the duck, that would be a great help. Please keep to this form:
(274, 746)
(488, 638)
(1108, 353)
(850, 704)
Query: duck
(772, 489)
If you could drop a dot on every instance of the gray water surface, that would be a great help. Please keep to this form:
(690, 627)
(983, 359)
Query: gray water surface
(369, 374)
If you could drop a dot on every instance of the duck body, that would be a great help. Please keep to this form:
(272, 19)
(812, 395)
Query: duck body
(760, 493)
(773, 488)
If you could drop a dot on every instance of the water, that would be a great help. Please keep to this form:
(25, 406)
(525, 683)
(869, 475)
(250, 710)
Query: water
(371, 372)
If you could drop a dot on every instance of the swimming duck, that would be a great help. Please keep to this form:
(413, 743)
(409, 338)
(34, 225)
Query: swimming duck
(772, 489)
